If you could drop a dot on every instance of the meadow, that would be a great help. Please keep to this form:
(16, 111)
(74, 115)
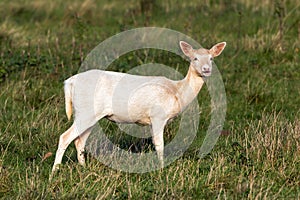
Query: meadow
(257, 156)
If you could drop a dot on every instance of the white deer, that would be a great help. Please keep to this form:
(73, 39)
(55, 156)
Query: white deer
(124, 98)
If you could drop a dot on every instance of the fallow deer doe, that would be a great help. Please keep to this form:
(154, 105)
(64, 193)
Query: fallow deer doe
(153, 100)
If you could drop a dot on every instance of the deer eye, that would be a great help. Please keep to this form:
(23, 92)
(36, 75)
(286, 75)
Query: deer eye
(211, 58)
(195, 59)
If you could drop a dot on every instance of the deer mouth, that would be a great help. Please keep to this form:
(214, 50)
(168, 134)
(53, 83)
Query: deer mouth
(206, 73)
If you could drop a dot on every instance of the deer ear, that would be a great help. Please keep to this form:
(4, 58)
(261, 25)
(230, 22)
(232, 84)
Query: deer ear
(217, 49)
(186, 48)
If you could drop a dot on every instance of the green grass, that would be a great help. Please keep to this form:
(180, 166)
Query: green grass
(258, 157)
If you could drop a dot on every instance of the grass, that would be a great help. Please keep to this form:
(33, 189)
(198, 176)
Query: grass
(256, 157)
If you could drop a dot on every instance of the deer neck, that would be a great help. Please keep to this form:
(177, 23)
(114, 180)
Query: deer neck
(189, 87)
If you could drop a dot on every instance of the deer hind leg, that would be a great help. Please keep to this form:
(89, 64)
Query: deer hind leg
(80, 145)
(64, 140)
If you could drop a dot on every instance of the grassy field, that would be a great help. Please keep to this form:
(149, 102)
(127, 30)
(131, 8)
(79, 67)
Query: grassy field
(258, 155)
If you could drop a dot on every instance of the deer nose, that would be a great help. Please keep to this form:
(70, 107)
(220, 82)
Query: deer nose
(205, 68)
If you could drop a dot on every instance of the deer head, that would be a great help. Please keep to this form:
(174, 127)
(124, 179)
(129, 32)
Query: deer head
(202, 59)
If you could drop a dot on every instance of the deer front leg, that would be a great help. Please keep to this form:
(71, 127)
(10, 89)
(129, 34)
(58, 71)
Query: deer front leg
(158, 140)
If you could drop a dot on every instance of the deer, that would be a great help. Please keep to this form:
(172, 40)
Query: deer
(125, 98)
